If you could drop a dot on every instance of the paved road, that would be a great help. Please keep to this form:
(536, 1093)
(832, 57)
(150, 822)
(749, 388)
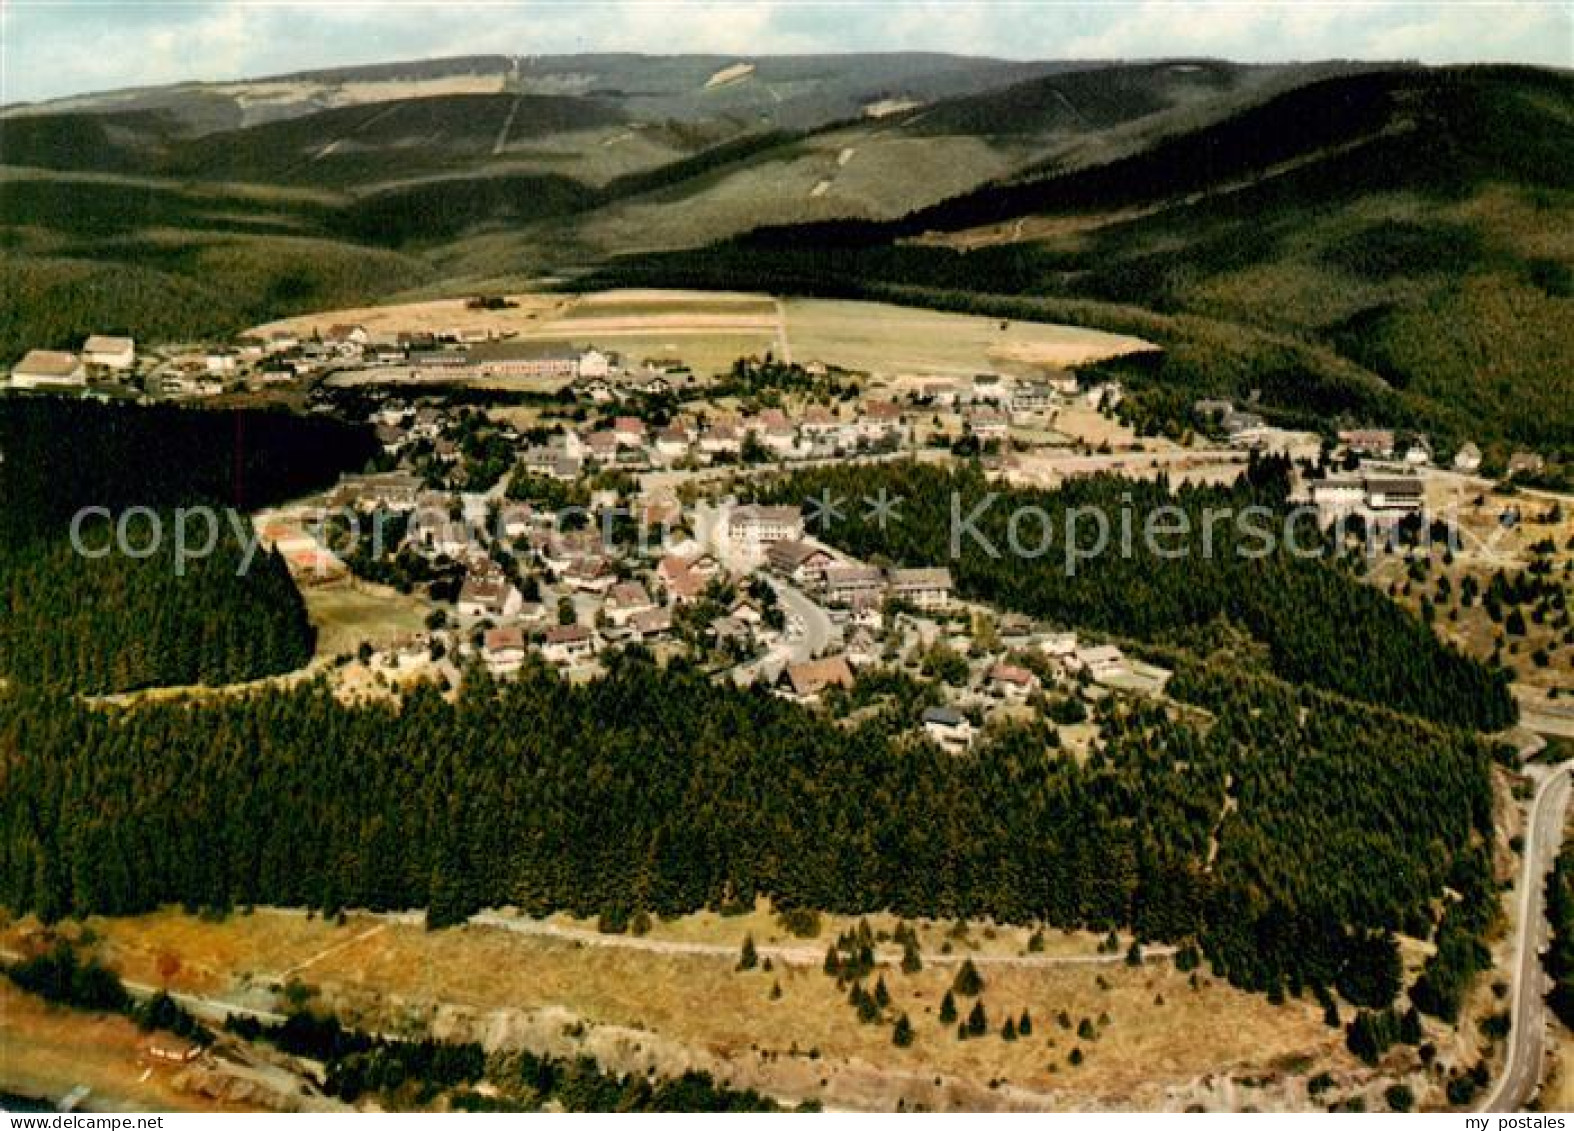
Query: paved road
(1544, 837)
(816, 622)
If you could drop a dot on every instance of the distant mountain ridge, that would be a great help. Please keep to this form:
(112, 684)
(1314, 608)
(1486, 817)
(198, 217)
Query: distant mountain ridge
(1374, 240)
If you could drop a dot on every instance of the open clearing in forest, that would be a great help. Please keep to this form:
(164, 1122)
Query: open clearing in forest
(1160, 1041)
(46, 1051)
(345, 615)
(709, 330)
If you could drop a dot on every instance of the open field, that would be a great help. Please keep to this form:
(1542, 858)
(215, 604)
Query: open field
(711, 330)
(345, 615)
(46, 1051)
(440, 315)
(1160, 1039)
(899, 340)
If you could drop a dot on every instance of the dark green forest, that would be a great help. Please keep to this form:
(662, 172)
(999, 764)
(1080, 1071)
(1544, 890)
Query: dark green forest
(1320, 626)
(653, 789)
(1559, 959)
(1330, 251)
(119, 621)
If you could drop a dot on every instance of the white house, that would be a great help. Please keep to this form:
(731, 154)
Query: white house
(650, 624)
(503, 649)
(492, 597)
(568, 643)
(927, 589)
(1012, 681)
(1336, 496)
(987, 424)
(593, 364)
(672, 443)
(625, 600)
(1099, 660)
(1467, 458)
(800, 562)
(1394, 492)
(722, 439)
(949, 727)
(110, 353)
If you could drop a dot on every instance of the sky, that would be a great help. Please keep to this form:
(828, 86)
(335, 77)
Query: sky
(50, 48)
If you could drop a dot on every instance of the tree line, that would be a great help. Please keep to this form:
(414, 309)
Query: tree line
(1283, 837)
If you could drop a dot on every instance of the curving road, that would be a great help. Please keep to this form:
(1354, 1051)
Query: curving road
(1527, 1037)
(817, 628)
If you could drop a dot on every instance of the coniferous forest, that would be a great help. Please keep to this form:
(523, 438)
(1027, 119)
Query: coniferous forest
(653, 789)
(118, 621)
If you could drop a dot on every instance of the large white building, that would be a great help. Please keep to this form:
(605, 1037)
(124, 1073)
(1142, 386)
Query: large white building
(111, 353)
(751, 530)
(49, 369)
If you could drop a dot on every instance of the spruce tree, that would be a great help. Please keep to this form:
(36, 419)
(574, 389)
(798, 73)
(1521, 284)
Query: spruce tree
(968, 982)
(902, 1034)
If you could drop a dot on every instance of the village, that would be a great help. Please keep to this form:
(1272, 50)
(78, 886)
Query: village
(540, 498)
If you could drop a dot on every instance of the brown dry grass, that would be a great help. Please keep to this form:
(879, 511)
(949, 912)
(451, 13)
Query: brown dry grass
(711, 330)
(1488, 548)
(46, 1051)
(345, 615)
(426, 317)
(1162, 1035)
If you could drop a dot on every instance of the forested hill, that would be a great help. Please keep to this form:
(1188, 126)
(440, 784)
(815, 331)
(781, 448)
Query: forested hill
(655, 789)
(61, 454)
(107, 620)
(1377, 245)
(1317, 624)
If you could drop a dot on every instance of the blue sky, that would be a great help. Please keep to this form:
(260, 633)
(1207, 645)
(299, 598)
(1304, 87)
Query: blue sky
(63, 47)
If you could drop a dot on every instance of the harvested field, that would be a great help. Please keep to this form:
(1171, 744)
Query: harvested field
(347, 614)
(709, 331)
(898, 340)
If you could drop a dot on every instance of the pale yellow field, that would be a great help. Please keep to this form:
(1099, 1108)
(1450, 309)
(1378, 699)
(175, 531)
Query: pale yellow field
(896, 340)
(711, 330)
(440, 315)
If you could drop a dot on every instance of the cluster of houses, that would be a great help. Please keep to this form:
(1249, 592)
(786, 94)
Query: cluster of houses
(1007, 395)
(841, 583)
(1066, 662)
(568, 594)
(445, 355)
(628, 443)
